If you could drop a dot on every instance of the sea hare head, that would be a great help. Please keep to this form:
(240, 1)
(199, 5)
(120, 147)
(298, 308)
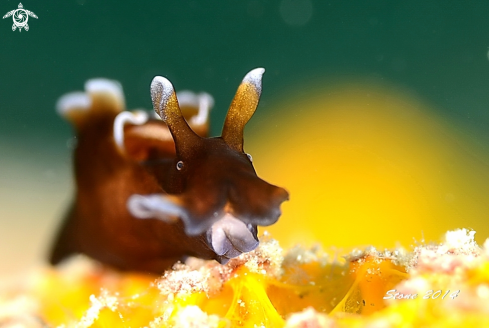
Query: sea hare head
(212, 185)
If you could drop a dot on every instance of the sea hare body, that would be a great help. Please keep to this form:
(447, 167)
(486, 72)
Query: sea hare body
(152, 191)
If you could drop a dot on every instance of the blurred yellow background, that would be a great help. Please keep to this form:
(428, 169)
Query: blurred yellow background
(368, 164)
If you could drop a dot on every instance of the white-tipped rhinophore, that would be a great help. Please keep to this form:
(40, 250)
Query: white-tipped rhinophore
(242, 108)
(155, 206)
(165, 103)
(73, 102)
(203, 101)
(231, 237)
(161, 91)
(254, 77)
(137, 117)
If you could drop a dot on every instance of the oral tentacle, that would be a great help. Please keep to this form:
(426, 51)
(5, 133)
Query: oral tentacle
(169, 209)
(155, 206)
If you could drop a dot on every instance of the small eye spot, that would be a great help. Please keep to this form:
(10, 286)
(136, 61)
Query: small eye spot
(250, 158)
(179, 165)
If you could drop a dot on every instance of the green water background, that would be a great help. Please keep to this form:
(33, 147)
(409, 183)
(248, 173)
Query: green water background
(438, 49)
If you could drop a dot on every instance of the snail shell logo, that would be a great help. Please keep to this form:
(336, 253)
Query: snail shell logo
(20, 17)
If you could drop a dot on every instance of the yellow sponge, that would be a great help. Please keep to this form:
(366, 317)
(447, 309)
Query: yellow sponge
(435, 285)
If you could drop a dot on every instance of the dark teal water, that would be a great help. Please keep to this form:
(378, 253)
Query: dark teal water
(437, 49)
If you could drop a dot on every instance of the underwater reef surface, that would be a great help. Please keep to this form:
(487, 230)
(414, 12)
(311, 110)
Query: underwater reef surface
(432, 285)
